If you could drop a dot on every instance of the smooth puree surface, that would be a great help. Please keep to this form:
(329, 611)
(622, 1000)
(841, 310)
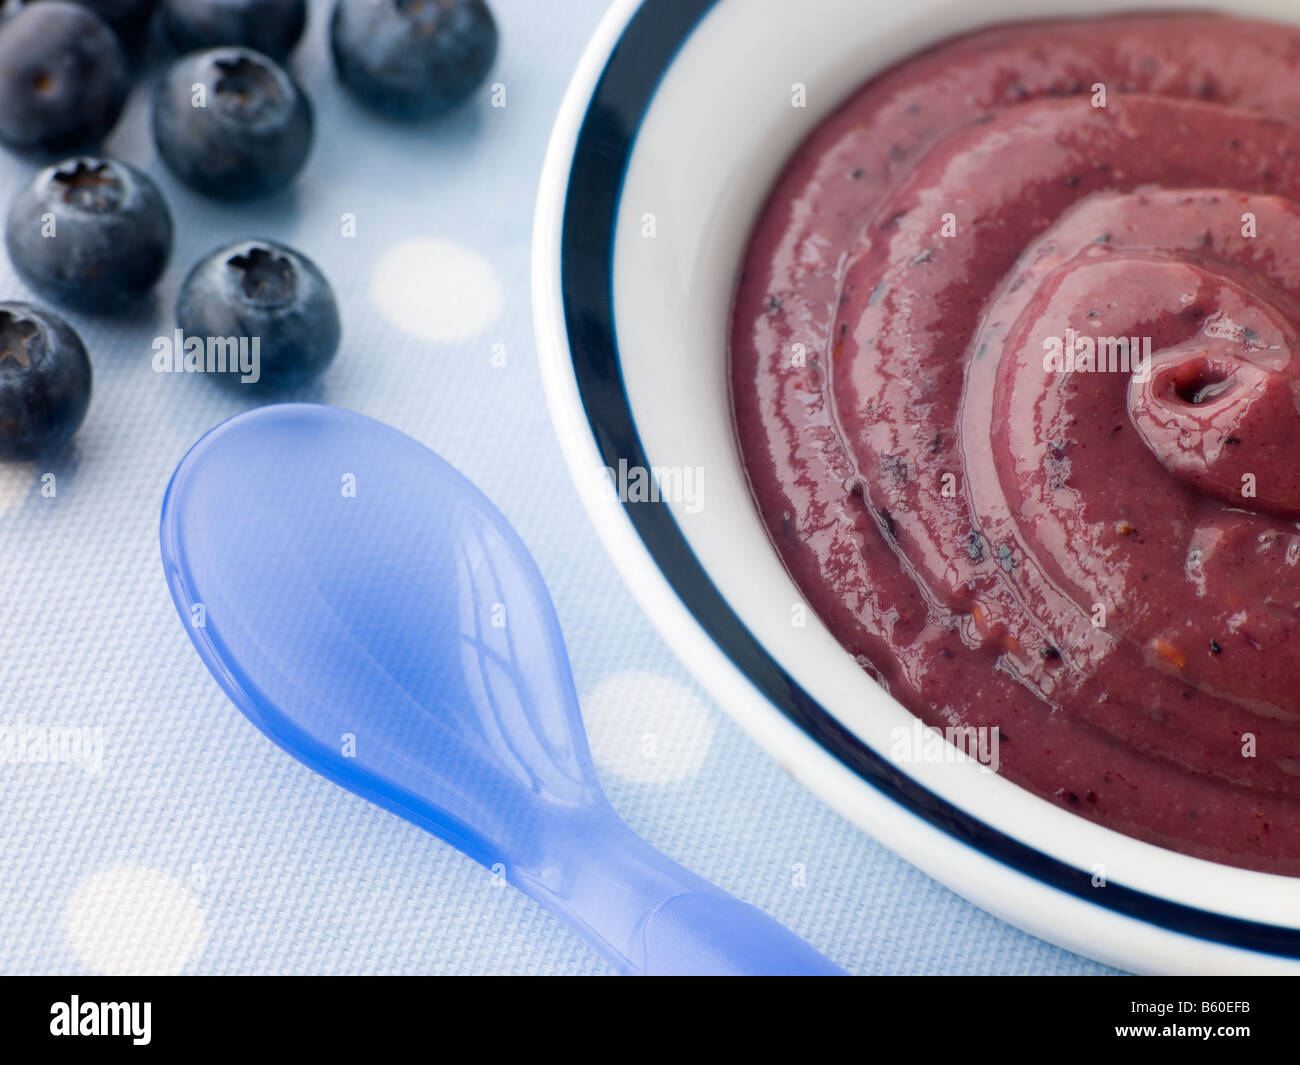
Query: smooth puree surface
(1066, 555)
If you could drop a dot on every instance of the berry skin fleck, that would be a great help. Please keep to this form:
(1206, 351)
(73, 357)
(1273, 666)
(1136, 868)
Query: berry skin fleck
(244, 132)
(272, 27)
(45, 382)
(264, 290)
(91, 233)
(413, 58)
(63, 78)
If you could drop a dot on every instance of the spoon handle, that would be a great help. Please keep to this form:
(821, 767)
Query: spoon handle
(651, 916)
(713, 933)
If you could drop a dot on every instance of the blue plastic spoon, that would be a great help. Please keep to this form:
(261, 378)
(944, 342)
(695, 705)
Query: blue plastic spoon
(376, 616)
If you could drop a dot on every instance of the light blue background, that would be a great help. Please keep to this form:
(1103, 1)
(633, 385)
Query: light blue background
(292, 874)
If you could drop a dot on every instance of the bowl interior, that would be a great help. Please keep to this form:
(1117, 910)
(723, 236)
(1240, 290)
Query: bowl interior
(714, 138)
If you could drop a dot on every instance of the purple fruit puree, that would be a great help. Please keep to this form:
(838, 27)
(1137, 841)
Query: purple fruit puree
(1103, 561)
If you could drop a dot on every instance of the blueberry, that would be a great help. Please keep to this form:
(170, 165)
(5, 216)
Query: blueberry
(271, 26)
(258, 289)
(63, 77)
(413, 58)
(44, 381)
(92, 233)
(231, 123)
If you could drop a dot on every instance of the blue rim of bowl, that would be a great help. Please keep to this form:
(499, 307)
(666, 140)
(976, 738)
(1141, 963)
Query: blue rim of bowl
(641, 56)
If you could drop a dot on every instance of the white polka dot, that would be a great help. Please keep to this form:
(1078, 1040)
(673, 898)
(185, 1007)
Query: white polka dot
(15, 482)
(436, 290)
(129, 921)
(647, 728)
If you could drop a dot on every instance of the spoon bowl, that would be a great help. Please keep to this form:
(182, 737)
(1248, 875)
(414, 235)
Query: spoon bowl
(370, 610)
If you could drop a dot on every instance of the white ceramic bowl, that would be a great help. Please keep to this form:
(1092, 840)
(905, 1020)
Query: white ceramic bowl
(681, 110)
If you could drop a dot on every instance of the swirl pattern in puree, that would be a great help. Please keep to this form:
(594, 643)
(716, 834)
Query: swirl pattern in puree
(1093, 581)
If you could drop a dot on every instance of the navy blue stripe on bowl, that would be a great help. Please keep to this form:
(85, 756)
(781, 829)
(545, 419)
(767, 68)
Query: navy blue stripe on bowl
(642, 55)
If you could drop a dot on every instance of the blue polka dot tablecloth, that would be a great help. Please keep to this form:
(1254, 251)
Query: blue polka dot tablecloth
(181, 840)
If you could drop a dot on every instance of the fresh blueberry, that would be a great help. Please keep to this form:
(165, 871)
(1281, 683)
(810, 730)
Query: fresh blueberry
(270, 26)
(231, 123)
(262, 291)
(127, 18)
(92, 233)
(413, 58)
(63, 77)
(44, 381)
